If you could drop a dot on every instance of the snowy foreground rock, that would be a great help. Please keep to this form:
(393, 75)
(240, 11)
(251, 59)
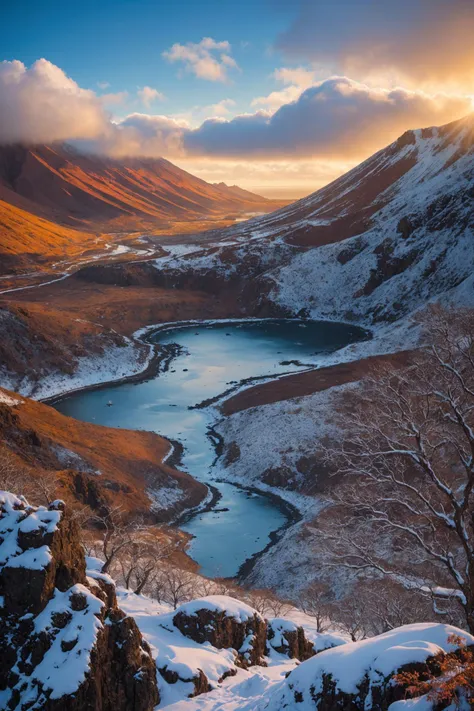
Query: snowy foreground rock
(195, 658)
(64, 643)
(359, 675)
(69, 641)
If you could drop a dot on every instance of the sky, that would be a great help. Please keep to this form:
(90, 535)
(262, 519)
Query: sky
(278, 96)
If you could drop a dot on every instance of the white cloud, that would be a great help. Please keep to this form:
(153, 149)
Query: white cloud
(148, 95)
(334, 120)
(206, 59)
(142, 135)
(338, 118)
(117, 99)
(222, 108)
(300, 76)
(296, 79)
(103, 84)
(42, 104)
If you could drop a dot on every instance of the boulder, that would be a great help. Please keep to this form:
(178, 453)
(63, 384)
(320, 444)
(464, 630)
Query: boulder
(288, 638)
(225, 623)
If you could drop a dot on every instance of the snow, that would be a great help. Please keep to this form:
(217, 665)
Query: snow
(164, 497)
(434, 261)
(60, 670)
(66, 659)
(6, 399)
(296, 618)
(277, 435)
(16, 517)
(376, 657)
(119, 249)
(180, 654)
(115, 363)
(94, 570)
(236, 609)
(172, 650)
(71, 460)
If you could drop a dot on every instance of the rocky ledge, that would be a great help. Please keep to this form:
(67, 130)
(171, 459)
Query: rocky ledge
(64, 643)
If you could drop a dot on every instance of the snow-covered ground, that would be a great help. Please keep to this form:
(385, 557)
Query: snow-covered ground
(277, 435)
(374, 659)
(261, 688)
(175, 652)
(115, 363)
(416, 245)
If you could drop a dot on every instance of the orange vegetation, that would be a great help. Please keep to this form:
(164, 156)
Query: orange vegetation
(68, 187)
(111, 466)
(452, 681)
(23, 233)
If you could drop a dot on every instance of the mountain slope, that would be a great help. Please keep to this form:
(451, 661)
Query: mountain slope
(24, 238)
(93, 465)
(376, 244)
(63, 185)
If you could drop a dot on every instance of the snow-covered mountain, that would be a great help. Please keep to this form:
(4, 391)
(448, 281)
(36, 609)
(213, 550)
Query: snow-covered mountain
(374, 245)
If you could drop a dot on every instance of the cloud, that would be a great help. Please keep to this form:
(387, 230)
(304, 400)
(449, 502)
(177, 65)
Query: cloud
(148, 95)
(42, 104)
(142, 135)
(222, 108)
(103, 84)
(117, 99)
(206, 59)
(297, 80)
(333, 120)
(337, 118)
(427, 41)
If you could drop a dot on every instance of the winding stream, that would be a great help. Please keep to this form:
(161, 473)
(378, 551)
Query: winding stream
(213, 359)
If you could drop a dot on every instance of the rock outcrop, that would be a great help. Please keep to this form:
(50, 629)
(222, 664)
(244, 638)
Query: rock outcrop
(225, 623)
(64, 643)
(360, 675)
(288, 638)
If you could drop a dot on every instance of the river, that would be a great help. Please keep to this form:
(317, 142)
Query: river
(213, 359)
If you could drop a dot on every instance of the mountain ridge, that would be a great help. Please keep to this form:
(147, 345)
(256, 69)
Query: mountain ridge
(82, 190)
(374, 245)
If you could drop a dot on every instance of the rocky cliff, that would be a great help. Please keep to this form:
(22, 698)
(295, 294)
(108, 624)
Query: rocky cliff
(64, 643)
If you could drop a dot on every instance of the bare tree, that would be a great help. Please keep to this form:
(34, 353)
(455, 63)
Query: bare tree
(140, 560)
(15, 477)
(45, 486)
(114, 536)
(405, 502)
(350, 616)
(175, 586)
(314, 600)
(266, 602)
(389, 605)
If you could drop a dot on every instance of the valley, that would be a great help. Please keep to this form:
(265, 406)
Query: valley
(195, 381)
(209, 359)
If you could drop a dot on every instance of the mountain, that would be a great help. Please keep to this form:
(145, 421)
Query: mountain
(236, 191)
(374, 245)
(89, 191)
(26, 238)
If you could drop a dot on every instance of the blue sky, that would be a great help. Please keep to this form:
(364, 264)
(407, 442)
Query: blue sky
(121, 42)
(279, 96)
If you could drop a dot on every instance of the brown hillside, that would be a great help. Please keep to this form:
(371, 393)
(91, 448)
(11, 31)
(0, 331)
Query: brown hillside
(97, 465)
(26, 238)
(74, 189)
